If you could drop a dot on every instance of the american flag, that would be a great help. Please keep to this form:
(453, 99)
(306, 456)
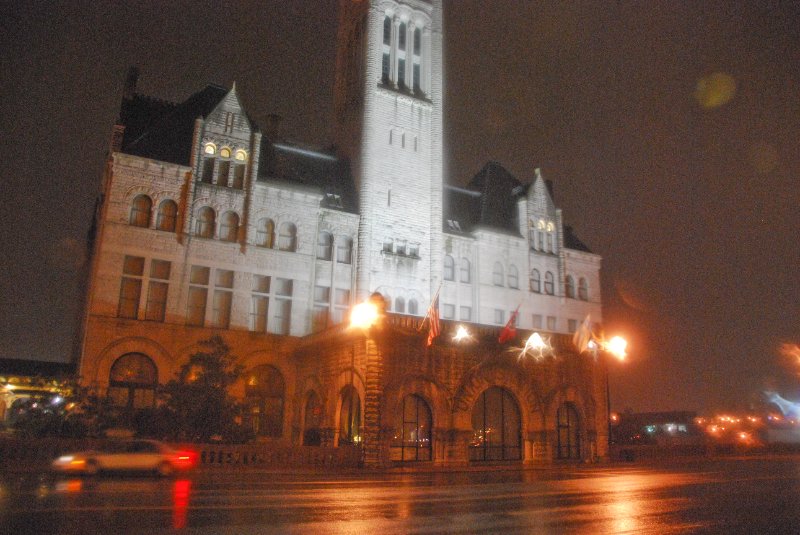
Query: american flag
(433, 314)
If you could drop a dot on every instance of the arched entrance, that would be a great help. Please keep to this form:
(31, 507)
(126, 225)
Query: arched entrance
(132, 382)
(312, 421)
(411, 440)
(264, 399)
(568, 432)
(349, 417)
(496, 427)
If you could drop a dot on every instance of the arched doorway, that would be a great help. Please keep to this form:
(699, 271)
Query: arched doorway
(568, 432)
(349, 417)
(411, 440)
(496, 427)
(312, 421)
(264, 399)
(132, 382)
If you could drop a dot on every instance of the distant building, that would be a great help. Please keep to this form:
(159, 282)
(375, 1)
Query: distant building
(211, 224)
(662, 428)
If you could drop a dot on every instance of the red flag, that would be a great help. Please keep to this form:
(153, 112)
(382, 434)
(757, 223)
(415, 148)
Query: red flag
(510, 330)
(433, 315)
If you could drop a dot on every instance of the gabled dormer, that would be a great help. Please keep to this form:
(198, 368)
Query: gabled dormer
(225, 146)
(543, 218)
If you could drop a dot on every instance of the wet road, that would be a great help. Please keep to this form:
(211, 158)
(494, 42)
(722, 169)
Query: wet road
(753, 496)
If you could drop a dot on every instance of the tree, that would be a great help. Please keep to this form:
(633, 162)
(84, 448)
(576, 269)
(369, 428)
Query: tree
(197, 401)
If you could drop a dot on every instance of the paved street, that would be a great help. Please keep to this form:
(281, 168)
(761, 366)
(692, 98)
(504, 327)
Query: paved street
(728, 496)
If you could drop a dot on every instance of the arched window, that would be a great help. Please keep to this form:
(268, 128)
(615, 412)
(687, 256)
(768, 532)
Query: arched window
(549, 283)
(349, 417)
(167, 216)
(265, 233)
(287, 237)
(497, 274)
(513, 276)
(229, 226)
(264, 398)
(387, 48)
(496, 427)
(449, 268)
(206, 221)
(465, 271)
(400, 305)
(401, 56)
(140, 211)
(411, 440)
(569, 287)
(536, 281)
(416, 84)
(132, 382)
(569, 432)
(313, 421)
(344, 250)
(583, 289)
(413, 308)
(324, 245)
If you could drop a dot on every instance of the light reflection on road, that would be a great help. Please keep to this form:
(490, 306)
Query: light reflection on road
(594, 500)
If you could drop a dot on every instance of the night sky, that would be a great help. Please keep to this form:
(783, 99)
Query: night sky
(670, 131)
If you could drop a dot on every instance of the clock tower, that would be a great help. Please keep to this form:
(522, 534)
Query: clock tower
(388, 113)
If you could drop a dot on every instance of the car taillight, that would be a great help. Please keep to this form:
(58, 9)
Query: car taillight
(185, 459)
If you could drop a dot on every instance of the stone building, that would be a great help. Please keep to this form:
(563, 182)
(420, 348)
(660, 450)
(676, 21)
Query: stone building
(210, 224)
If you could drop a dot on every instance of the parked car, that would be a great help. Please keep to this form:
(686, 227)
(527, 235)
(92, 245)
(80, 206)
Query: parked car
(128, 455)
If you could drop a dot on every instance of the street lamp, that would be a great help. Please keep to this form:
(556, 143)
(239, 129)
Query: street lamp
(615, 347)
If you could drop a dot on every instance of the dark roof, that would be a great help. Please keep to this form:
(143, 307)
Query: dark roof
(322, 170)
(490, 200)
(164, 131)
(571, 241)
(35, 368)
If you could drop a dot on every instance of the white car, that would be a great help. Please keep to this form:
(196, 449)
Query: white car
(128, 455)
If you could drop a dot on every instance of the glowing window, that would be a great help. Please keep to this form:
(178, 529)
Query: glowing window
(241, 155)
(225, 152)
(210, 148)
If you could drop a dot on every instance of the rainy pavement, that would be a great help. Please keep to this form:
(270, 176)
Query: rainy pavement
(692, 496)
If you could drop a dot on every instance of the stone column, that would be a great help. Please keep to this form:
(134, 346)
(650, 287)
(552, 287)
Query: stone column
(373, 388)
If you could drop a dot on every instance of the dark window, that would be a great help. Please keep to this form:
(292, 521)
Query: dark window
(167, 216)
(208, 171)
(387, 31)
(313, 421)
(264, 398)
(350, 417)
(411, 440)
(224, 171)
(569, 436)
(401, 37)
(132, 382)
(449, 268)
(536, 281)
(569, 287)
(140, 211)
(496, 427)
(549, 283)
(204, 226)
(229, 227)
(238, 176)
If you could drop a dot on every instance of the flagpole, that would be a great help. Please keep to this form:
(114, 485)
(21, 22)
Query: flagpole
(428, 311)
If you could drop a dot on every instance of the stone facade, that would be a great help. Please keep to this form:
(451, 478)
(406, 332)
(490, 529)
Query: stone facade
(208, 225)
